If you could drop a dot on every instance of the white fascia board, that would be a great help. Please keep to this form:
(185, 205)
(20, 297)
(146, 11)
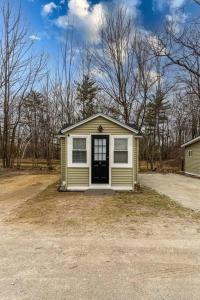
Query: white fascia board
(96, 116)
(191, 142)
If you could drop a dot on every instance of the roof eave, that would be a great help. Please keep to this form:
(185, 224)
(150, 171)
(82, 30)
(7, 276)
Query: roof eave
(190, 142)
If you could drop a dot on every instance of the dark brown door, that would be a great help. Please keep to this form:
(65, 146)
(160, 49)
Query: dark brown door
(100, 159)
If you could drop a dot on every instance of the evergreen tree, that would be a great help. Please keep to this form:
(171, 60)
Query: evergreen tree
(86, 96)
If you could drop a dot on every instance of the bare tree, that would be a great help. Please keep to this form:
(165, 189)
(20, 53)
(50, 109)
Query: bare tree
(65, 77)
(147, 77)
(197, 2)
(19, 71)
(115, 62)
(181, 45)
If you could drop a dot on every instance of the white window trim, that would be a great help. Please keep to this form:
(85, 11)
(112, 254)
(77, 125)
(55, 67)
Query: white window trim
(130, 152)
(70, 153)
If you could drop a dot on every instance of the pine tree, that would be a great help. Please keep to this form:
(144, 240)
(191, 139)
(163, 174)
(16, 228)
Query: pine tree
(86, 96)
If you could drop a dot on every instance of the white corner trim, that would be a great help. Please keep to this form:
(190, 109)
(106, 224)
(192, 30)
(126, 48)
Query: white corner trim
(103, 116)
(130, 152)
(70, 163)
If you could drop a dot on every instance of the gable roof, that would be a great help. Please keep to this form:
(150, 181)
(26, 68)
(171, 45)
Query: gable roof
(68, 127)
(193, 141)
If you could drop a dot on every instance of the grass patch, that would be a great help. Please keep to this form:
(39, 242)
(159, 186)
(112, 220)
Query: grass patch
(80, 211)
(147, 203)
(39, 207)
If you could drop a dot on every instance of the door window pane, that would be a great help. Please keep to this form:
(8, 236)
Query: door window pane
(100, 149)
(96, 149)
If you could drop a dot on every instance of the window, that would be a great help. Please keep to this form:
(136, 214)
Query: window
(190, 153)
(100, 149)
(120, 150)
(79, 153)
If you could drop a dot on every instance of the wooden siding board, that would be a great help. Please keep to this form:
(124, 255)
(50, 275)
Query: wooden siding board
(192, 164)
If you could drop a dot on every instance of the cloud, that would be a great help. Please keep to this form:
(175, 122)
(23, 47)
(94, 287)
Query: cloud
(88, 18)
(48, 8)
(34, 37)
(177, 20)
(171, 4)
(156, 45)
(83, 16)
(62, 21)
(175, 15)
(131, 6)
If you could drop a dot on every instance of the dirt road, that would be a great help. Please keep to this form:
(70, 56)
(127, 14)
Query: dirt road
(14, 191)
(45, 265)
(151, 258)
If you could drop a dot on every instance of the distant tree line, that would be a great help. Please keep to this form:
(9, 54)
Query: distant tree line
(152, 80)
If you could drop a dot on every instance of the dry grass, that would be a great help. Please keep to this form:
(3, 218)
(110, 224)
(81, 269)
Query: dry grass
(168, 166)
(83, 212)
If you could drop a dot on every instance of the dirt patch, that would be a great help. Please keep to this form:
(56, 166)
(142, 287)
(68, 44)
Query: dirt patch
(16, 190)
(122, 246)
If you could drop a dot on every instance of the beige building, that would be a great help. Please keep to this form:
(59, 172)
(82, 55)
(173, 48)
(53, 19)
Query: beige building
(99, 153)
(192, 157)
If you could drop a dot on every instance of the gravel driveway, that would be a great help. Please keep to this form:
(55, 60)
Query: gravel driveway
(152, 258)
(185, 190)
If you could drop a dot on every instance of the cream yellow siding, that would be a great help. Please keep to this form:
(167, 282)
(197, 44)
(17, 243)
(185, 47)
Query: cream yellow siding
(192, 164)
(134, 160)
(91, 127)
(63, 155)
(78, 177)
(122, 177)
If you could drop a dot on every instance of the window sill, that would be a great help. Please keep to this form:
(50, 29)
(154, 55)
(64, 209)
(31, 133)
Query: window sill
(124, 166)
(78, 165)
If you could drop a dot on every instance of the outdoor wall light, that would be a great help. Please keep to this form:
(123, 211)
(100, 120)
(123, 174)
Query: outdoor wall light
(100, 128)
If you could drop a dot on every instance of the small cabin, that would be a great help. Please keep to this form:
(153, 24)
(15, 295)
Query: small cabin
(192, 157)
(99, 153)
